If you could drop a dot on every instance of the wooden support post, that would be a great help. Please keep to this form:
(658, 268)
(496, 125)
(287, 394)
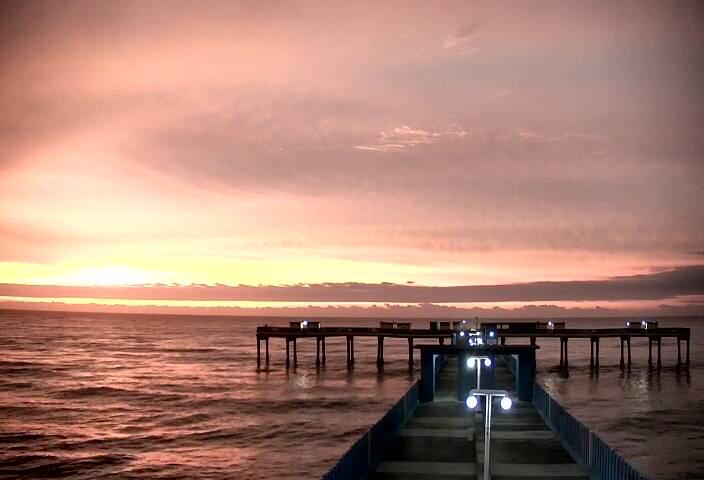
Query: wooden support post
(288, 356)
(597, 352)
(380, 351)
(622, 363)
(562, 352)
(503, 340)
(352, 349)
(317, 351)
(324, 351)
(441, 340)
(687, 352)
(267, 350)
(650, 352)
(259, 358)
(659, 351)
(349, 356)
(628, 345)
(532, 341)
(410, 352)
(591, 352)
(679, 353)
(566, 360)
(295, 353)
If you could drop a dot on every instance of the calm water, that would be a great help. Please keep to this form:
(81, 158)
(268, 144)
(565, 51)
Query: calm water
(85, 396)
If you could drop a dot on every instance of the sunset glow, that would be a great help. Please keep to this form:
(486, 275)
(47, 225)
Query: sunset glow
(266, 144)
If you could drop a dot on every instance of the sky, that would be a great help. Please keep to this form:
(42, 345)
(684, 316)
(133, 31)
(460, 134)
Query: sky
(382, 158)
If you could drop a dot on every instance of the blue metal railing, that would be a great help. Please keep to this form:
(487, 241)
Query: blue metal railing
(592, 453)
(364, 454)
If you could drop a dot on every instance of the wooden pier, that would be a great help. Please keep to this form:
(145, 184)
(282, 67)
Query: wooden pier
(494, 332)
(650, 330)
(312, 330)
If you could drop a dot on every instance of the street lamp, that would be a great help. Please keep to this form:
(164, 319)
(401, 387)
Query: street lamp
(471, 361)
(472, 402)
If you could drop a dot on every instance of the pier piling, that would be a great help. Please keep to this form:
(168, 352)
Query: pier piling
(622, 340)
(410, 352)
(266, 342)
(259, 358)
(650, 352)
(317, 351)
(659, 339)
(288, 356)
(679, 353)
(295, 354)
(380, 351)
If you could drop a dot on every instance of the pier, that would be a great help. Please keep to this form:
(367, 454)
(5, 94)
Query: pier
(532, 331)
(492, 332)
(438, 436)
(440, 331)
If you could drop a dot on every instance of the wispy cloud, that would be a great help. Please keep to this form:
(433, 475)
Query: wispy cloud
(404, 137)
(462, 40)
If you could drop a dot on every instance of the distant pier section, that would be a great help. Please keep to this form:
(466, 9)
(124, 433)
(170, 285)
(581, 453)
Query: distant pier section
(459, 332)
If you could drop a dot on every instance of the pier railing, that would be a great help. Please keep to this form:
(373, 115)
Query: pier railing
(592, 453)
(364, 454)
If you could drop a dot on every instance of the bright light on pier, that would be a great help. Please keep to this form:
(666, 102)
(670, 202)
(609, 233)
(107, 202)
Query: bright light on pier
(472, 402)
(506, 403)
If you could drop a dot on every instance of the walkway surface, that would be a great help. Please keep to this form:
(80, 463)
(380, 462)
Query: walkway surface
(445, 440)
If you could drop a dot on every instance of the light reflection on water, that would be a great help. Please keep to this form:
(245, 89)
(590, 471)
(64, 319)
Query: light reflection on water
(83, 396)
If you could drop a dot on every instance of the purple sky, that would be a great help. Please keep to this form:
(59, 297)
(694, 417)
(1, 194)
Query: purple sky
(279, 143)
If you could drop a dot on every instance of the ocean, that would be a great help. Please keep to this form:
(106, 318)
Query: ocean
(141, 396)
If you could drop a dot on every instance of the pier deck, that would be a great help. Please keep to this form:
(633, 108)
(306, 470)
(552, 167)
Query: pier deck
(444, 440)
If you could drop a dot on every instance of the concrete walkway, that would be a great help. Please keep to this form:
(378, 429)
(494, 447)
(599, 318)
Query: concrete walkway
(445, 440)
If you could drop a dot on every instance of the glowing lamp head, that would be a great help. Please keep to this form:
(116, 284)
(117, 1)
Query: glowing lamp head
(480, 341)
(461, 334)
(628, 324)
(550, 323)
(470, 362)
(464, 321)
(487, 362)
(506, 403)
(491, 334)
(472, 402)
(304, 323)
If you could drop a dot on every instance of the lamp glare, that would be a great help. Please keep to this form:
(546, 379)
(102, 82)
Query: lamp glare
(472, 401)
(487, 362)
(470, 362)
(506, 403)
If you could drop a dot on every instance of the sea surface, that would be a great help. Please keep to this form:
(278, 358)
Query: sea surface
(138, 396)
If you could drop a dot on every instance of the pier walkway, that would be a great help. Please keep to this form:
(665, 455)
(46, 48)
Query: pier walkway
(444, 440)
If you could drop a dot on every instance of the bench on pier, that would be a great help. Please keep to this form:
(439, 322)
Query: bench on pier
(641, 325)
(395, 325)
(305, 325)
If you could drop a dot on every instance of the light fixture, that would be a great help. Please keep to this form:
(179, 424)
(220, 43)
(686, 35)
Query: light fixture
(506, 403)
(487, 362)
(491, 334)
(480, 341)
(472, 402)
(470, 362)
(462, 334)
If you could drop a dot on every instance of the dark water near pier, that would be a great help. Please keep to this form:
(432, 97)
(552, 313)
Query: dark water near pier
(113, 396)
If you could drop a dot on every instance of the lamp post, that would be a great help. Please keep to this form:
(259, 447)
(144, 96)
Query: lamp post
(472, 402)
(472, 361)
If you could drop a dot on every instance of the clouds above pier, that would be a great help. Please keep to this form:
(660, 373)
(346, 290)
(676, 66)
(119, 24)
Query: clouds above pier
(345, 144)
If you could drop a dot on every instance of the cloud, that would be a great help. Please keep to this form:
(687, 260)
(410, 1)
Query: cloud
(682, 281)
(462, 39)
(404, 137)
